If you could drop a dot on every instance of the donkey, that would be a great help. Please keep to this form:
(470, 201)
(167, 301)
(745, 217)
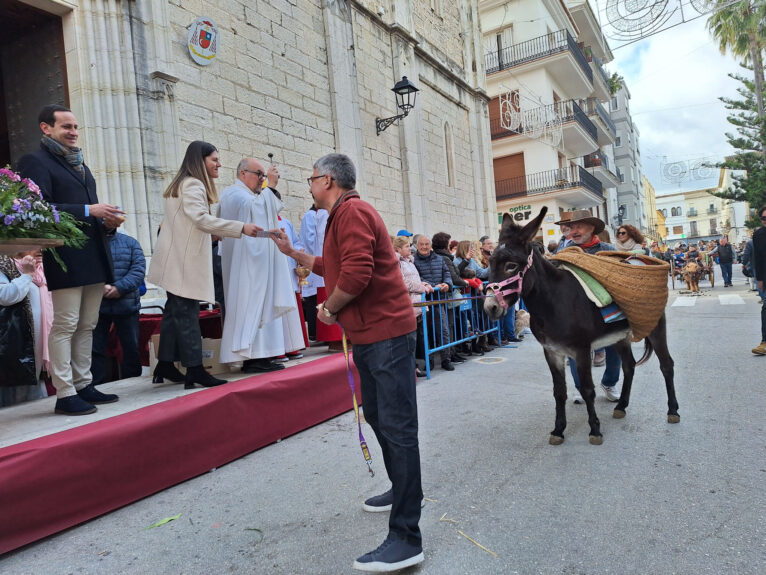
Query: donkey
(567, 323)
(692, 272)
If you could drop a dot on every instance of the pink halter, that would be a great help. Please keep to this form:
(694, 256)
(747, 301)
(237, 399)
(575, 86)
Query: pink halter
(518, 278)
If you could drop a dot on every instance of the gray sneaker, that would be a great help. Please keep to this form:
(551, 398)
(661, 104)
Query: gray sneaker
(611, 392)
(392, 555)
(383, 502)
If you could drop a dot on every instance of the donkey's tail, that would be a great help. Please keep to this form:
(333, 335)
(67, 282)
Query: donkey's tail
(648, 350)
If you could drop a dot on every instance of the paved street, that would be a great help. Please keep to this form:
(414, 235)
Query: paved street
(654, 498)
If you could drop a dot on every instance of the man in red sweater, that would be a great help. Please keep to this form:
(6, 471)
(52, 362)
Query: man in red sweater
(367, 296)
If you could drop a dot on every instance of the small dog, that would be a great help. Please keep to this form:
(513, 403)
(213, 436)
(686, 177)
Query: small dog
(522, 321)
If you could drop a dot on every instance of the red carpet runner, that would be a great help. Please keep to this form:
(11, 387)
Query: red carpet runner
(102, 466)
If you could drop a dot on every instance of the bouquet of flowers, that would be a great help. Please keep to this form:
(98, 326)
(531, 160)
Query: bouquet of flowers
(25, 214)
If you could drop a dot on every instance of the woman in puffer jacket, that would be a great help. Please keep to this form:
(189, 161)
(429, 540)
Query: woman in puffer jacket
(415, 286)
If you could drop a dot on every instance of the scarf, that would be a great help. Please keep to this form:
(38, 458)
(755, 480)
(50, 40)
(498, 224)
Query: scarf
(593, 241)
(73, 156)
(46, 308)
(626, 246)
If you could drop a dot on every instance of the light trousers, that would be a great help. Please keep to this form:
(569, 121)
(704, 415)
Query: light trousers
(70, 343)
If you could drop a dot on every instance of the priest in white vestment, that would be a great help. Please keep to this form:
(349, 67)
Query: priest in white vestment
(262, 320)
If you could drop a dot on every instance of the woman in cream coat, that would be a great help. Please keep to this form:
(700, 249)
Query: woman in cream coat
(182, 263)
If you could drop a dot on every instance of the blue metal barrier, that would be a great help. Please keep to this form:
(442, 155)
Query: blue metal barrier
(449, 321)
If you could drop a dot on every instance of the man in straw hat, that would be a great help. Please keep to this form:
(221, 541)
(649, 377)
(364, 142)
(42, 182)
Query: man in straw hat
(583, 230)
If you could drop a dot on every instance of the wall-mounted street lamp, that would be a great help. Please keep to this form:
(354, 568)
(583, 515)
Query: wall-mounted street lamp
(406, 93)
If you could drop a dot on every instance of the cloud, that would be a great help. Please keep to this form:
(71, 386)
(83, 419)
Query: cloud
(675, 78)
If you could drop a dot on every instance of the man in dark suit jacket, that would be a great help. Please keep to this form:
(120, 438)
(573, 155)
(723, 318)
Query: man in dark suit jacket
(759, 263)
(66, 182)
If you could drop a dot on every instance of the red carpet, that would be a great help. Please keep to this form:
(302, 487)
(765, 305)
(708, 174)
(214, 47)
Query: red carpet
(107, 464)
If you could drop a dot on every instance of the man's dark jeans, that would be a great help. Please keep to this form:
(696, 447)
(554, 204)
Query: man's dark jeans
(725, 272)
(127, 331)
(387, 372)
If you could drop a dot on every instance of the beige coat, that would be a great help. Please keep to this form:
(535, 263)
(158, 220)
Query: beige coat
(182, 260)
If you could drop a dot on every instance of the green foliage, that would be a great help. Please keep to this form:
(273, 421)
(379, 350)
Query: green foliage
(615, 83)
(25, 214)
(749, 142)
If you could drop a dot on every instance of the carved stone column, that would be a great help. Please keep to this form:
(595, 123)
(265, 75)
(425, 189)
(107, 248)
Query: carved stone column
(341, 61)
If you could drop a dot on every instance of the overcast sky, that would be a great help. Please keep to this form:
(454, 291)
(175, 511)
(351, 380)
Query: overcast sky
(675, 78)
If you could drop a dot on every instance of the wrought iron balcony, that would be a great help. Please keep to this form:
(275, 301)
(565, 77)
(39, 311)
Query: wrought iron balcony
(692, 213)
(596, 159)
(568, 110)
(550, 181)
(540, 47)
(594, 108)
(712, 210)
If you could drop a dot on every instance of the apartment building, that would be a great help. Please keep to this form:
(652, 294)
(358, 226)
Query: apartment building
(627, 158)
(699, 215)
(692, 215)
(551, 134)
(650, 197)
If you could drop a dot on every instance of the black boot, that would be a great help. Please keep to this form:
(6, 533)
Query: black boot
(197, 374)
(166, 369)
(476, 348)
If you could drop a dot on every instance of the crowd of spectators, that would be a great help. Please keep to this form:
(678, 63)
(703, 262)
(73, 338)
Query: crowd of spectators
(439, 268)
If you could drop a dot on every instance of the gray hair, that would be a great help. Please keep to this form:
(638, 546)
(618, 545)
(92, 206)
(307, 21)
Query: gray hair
(243, 164)
(341, 169)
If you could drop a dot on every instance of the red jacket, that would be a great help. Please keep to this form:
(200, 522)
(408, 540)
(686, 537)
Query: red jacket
(359, 259)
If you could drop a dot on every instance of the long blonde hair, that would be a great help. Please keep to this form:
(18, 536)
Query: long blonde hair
(462, 249)
(193, 166)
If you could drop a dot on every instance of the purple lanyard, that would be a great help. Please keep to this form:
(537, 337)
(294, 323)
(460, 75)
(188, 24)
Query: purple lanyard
(362, 442)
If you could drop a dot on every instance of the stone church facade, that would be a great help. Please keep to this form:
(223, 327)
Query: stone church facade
(296, 78)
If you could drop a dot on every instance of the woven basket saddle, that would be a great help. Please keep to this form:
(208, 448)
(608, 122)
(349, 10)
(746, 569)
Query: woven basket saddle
(641, 290)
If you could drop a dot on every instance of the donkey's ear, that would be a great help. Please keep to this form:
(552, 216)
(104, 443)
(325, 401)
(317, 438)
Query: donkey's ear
(529, 231)
(507, 220)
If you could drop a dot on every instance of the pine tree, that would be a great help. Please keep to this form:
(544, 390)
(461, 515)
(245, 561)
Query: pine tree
(749, 143)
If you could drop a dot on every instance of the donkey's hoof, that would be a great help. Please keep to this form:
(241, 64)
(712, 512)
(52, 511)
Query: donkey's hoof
(674, 418)
(618, 413)
(596, 439)
(556, 440)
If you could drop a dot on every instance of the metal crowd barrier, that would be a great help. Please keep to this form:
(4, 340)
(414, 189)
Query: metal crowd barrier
(449, 321)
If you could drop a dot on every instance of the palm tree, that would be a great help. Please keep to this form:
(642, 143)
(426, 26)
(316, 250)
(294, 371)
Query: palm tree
(740, 28)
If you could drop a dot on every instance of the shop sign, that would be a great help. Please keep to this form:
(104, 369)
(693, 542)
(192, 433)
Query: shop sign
(203, 41)
(521, 213)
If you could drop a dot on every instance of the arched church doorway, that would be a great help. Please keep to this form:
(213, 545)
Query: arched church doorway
(32, 74)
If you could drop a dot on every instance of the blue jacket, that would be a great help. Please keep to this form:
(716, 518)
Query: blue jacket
(432, 269)
(129, 270)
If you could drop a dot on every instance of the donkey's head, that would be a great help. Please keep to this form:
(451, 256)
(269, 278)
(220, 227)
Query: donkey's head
(510, 263)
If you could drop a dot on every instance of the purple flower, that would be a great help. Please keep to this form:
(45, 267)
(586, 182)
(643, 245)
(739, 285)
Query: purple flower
(9, 220)
(55, 214)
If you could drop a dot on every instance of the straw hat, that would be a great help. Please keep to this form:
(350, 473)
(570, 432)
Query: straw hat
(582, 216)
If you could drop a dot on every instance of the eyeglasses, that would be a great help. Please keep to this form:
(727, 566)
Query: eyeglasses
(312, 178)
(622, 233)
(763, 218)
(258, 173)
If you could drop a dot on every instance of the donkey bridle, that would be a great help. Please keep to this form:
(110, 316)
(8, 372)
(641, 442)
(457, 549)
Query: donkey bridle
(500, 293)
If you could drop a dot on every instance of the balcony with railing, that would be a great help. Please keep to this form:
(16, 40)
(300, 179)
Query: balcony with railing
(573, 184)
(692, 213)
(579, 133)
(598, 165)
(600, 79)
(607, 131)
(557, 51)
(712, 210)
